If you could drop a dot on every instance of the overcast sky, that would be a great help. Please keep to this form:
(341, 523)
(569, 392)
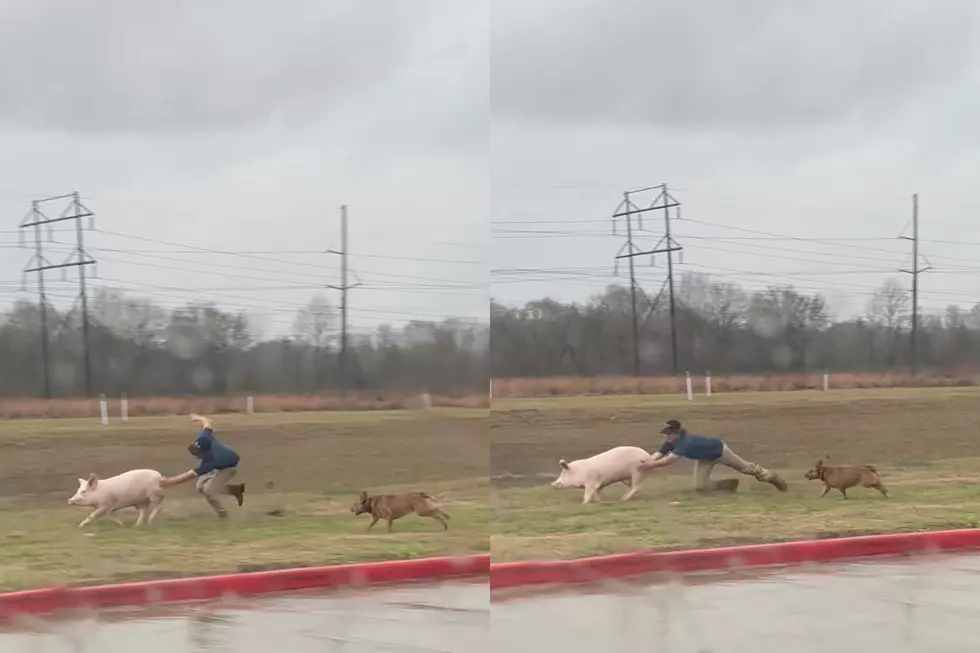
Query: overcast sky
(239, 127)
(808, 119)
(243, 126)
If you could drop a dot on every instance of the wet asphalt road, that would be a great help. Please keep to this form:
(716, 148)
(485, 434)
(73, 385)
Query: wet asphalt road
(923, 605)
(452, 618)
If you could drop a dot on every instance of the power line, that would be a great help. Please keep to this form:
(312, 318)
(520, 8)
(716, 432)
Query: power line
(343, 288)
(78, 258)
(915, 271)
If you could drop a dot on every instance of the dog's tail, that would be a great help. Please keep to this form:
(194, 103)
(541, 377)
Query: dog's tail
(872, 468)
(205, 422)
(432, 502)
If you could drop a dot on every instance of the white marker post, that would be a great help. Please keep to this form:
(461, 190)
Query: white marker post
(826, 382)
(103, 410)
(249, 404)
(124, 408)
(707, 383)
(690, 390)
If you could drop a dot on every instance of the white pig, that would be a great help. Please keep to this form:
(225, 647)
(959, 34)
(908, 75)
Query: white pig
(617, 465)
(138, 488)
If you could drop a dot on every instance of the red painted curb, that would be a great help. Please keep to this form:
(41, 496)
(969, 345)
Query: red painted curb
(515, 574)
(46, 601)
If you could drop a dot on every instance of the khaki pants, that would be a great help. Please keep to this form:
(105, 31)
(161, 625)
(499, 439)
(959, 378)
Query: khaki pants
(215, 483)
(728, 458)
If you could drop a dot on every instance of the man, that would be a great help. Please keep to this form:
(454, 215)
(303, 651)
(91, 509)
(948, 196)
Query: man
(706, 453)
(219, 463)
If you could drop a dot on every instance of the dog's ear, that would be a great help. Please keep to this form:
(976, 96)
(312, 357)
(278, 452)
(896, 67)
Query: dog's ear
(563, 464)
(364, 496)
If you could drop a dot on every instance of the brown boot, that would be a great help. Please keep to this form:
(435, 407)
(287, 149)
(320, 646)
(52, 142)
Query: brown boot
(777, 482)
(237, 491)
(726, 485)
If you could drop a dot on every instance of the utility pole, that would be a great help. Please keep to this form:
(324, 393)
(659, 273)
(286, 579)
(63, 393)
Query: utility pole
(627, 209)
(343, 288)
(78, 258)
(915, 271)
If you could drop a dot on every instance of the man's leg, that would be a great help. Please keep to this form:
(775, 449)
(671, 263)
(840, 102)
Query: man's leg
(213, 484)
(730, 459)
(702, 475)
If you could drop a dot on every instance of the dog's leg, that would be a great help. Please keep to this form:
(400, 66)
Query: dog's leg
(844, 492)
(390, 521)
(374, 520)
(826, 489)
(438, 517)
(881, 488)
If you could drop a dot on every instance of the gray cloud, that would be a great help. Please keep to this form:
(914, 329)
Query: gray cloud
(188, 66)
(723, 64)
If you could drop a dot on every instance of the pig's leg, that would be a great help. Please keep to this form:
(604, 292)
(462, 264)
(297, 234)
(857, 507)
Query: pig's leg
(591, 492)
(636, 480)
(156, 503)
(95, 514)
(142, 508)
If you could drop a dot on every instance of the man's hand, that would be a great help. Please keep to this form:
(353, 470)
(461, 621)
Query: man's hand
(657, 461)
(177, 480)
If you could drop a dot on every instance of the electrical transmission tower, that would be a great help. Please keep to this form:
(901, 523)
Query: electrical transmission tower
(343, 288)
(627, 208)
(78, 258)
(915, 271)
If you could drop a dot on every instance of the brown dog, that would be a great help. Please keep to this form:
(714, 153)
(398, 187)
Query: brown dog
(396, 506)
(842, 477)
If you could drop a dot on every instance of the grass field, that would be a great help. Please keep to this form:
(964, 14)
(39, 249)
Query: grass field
(925, 443)
(305, 468)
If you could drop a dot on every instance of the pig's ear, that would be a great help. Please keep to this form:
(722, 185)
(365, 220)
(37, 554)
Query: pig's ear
(82, 482)
(563, 464)
(93, 480)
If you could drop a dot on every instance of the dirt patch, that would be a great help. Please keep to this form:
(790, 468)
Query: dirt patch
(779, 430)
(318, 453)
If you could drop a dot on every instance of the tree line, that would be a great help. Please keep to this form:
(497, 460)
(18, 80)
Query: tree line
(140, 348)
(724, 328)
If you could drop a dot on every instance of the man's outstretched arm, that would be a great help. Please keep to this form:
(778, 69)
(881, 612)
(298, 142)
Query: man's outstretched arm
(659, 460)
(180, 478)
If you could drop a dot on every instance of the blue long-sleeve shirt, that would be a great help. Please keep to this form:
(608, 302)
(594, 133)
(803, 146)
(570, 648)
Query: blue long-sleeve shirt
(214, 454)
(694, 447)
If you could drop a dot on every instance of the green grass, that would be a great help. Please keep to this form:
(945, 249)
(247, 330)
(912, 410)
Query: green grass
(544, 523)
(306, 467)
(44, 546)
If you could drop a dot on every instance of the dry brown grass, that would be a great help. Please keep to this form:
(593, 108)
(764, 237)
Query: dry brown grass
(629, 385)
(28, 408)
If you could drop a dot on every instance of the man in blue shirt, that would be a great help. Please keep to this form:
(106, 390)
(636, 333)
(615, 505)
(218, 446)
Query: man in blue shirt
(219, 463)
(706, 453)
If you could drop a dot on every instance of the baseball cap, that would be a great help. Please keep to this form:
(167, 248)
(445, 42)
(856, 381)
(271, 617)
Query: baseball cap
(672, 426)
